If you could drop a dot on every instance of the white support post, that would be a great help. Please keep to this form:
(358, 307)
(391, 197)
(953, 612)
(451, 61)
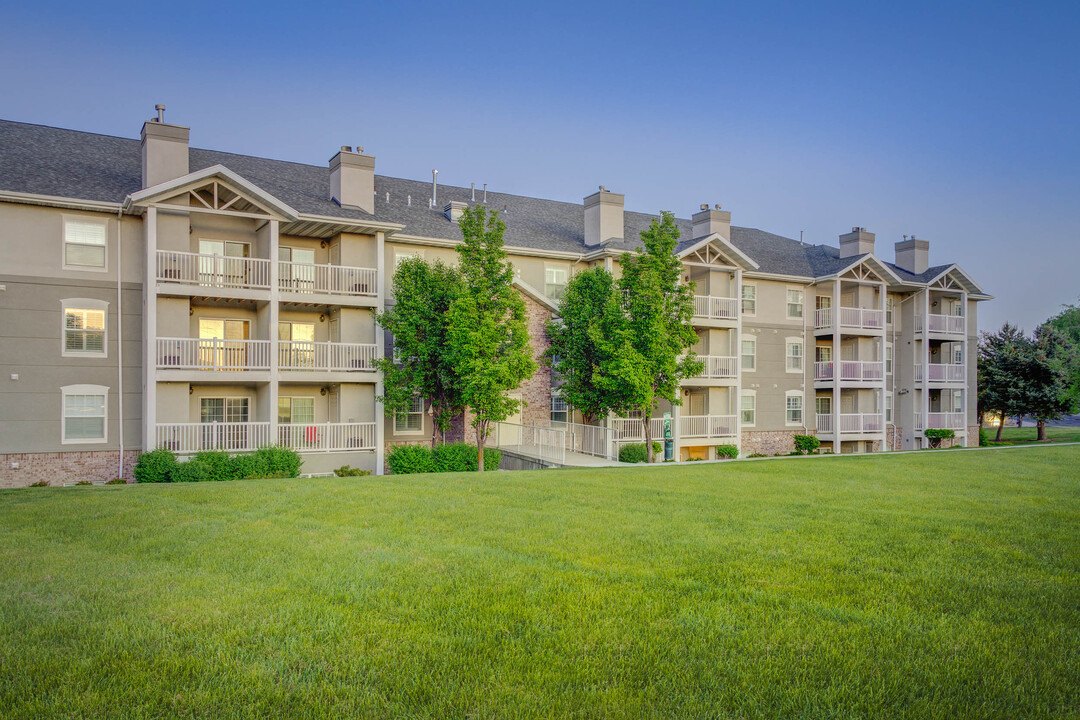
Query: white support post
(272, 391)
(964, 358)
(150, 332)
(737, 352)
(380, 349)
(836, 366)
(884, 375)
(924, 360)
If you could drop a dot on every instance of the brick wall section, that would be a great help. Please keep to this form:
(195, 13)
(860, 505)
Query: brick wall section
(894, 436)
(972, 439)
(64, 467)
(768, 442)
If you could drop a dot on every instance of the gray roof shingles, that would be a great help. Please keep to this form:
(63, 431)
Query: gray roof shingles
(79, 165)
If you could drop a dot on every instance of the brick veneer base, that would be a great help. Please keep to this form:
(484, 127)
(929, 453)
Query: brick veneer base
(768, 442)
(64, 468)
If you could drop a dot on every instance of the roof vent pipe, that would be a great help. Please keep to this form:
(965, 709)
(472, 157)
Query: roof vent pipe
(160, 112)
(485, 193)
(434, 187)
(473, 191)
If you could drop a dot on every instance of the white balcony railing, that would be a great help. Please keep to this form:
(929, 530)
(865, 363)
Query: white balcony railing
(942, 372)
(824, 423)
(212, 354)
(327, 437)
(861, 423)
(326, 279)
(216, 271)
(718, 367)
(631, 430)
(196, 437)
(946, 420)
(850, 370)
(716, 308)
(707, 426)
(944, 324)
(850, 317)
(325, 356)
(823, 317)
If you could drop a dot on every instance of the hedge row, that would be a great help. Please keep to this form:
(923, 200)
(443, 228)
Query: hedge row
(454, 457)
(161, 465)
(636, 452)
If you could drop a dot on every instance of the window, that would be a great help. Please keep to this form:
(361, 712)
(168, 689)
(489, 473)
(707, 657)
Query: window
(296, 410)
(888, 310)
(823, 353)
(823, 405)
(84, 244)
(223, 423)
(748, 406)
(958, 354)
(749, 299)
(794, 303)
(888, 358)
(958, 401)
(749, 353)
(222, 264)
(794, 400)
(555, 279)
(559, 411)
(223, 409)
(402, 255)
(84, 327)
(298, 274)
(412, 420)
(794, 355)
(888, 408)
(85, 417)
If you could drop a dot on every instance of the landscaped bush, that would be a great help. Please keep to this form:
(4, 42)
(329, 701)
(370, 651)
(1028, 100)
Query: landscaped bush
(936, 435)
(461, 457)
(637, 453)
(806, 444)
(84, 482)
(117, 481)
(727, 451)
(190, 471)
(219, 464)
(277, 461)
(757, 454)
(409, 459)
(248, 466)
(984, 437)
(155, 466)
(40, 483)
(349, 471)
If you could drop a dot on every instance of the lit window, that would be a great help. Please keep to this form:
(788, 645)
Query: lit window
(84, 413)
(749, 353)
(559, 411)
(84, 244)
(412, 419)
(555, 279)
(794, 409)
(296, 410)
(749, 403)
(749, 299)
(794, 303)
(794, 356)
(84, 327)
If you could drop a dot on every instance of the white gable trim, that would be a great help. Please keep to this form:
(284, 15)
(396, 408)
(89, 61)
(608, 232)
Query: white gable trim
(180, 185)
(738, 255)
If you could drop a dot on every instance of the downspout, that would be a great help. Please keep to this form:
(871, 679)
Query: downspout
(119, 340)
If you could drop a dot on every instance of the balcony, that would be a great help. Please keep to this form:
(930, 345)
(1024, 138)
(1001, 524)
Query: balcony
(707, 307)
(943, 324)
(212, 354)
(327, 437)
(326, 356)
(942, 373)
(852, 424)
(630, 429)
(718, 367)
(187, 438)
(707, 426)
(310, 279)
(213, 271)
(851, 371)
(851, 318)
(946, 420)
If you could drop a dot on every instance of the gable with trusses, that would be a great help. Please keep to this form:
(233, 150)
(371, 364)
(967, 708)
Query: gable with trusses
(714, 251)
(215, 190)
(867, 270)
(953, 278)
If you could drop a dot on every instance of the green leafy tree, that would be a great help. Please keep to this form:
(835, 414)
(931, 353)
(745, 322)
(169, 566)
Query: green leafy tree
(575, 353)
(419, 322)
(1067, 323)
(1048, 396)
(645, 333)
(1000, 373)
(488, 337)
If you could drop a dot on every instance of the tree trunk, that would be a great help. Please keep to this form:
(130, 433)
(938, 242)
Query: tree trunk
(1042, 431)
(481, 435)
(1001, 426)
(648, 437)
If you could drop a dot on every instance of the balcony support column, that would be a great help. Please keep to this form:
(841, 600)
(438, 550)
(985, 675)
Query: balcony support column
(964, 345)
(884, 374)
(150, 333)
(737, 352)
(836, 366)
(380, 349)
(924, 360)
(273, 229)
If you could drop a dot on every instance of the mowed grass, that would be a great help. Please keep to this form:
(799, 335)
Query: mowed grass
(920, 585)
(1027, 435)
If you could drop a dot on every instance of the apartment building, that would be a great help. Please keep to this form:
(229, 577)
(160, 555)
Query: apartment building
(156, 294)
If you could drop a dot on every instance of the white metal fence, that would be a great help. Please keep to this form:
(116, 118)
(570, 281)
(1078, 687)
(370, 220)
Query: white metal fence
(590, 439)
(213, 270)
(534, 441)
(327, 437)
(212, 354)
(195, 437)
(326, 279)
(327, 356)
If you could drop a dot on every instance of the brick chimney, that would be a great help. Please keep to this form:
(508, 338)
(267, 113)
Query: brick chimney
(603, 217)
(352, 179)
(164, 150)
(856, 242)
(706, 222)
(913, 255)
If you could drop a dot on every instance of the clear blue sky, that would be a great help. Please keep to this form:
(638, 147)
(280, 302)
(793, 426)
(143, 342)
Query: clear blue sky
(959, 124)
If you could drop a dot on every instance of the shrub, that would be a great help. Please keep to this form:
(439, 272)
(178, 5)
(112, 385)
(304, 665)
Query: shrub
(219, 464)
(757, 454)
(984, 437)
(727, 451)
(636, 452)
(461, 457)
(936, 435)
(409, 459)
(277, 461)
(248, 466)
(190, 471)
(349, 471)
(40, 483)
(806, 444)
(155, 466)
(84, 482)
(117, 481)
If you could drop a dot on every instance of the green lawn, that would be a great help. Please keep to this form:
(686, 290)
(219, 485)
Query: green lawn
(938, 584)
(1026, 435)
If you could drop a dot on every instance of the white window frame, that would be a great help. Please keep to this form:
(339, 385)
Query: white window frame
(292, 403)
(752, 394)
(551, 269)
(888, 408)
(888, 310)
(69, 390)
(400, 254)
(752, 312)
(788, 397)
(418, 402)
(818, 400)
(557, 400)
(801, 303)
(742, 352)
(82, 219)
(888, 358)
(799, 355)
(83, 304)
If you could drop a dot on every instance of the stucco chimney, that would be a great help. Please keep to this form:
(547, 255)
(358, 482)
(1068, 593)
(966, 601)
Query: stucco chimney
(164, 151)
(352, 179)
(913, 255)
(857, 242)
(706, 222)
(603, 217)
